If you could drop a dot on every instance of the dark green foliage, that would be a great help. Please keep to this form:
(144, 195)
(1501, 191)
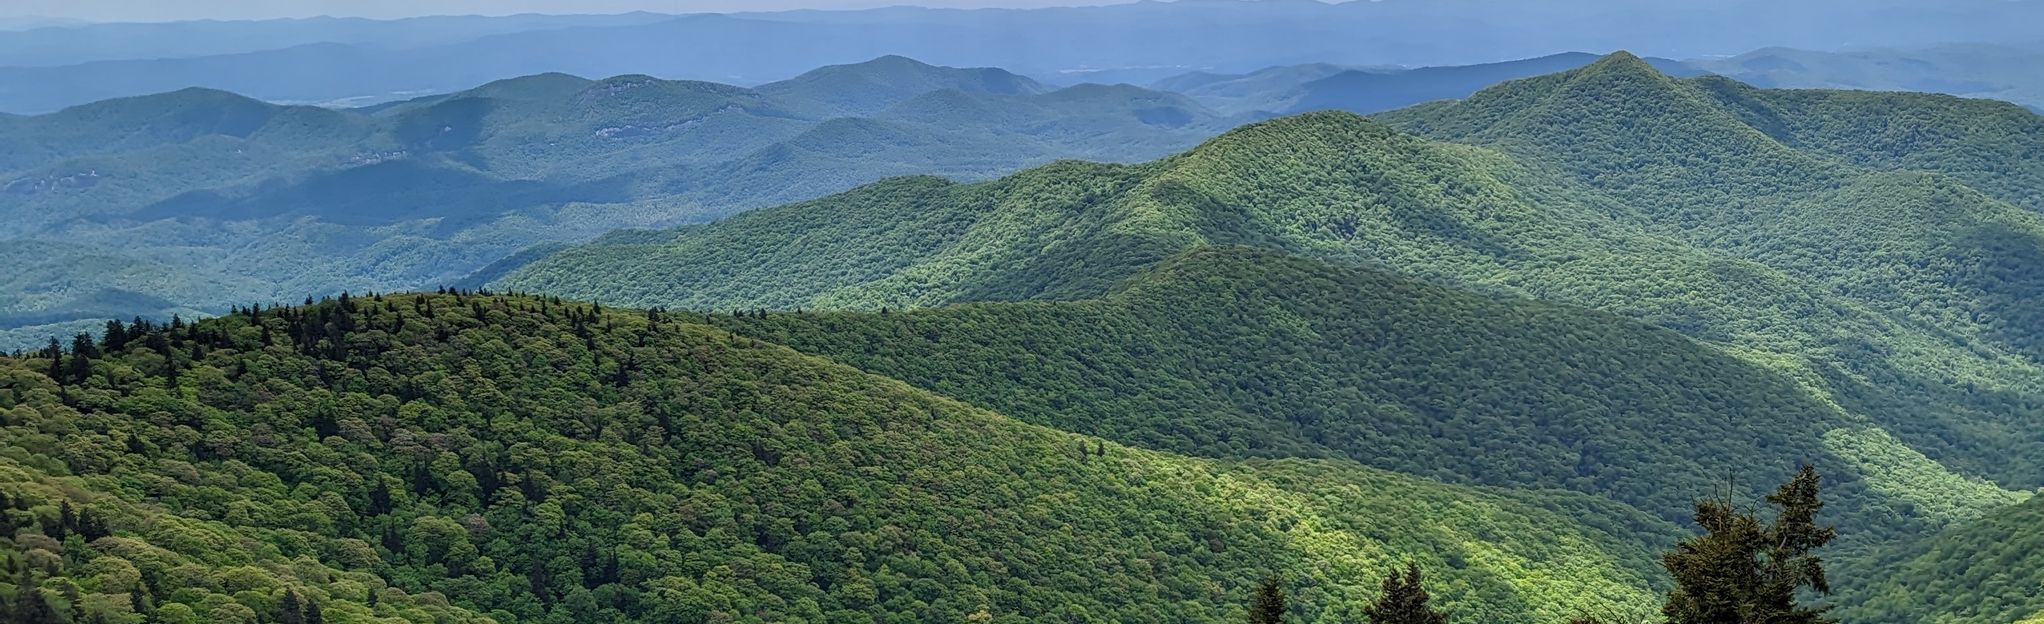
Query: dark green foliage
(1405, 600)
(1268, 606)
(1983, 572)
(1234, 352)
(1906, 195)
(451, 457)
(1852, 265)
(32, 607)
(289, 609)
(1742, 570)
(1710, 241)
(1295, 289)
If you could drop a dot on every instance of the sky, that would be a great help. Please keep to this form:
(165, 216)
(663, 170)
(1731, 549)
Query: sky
(166, 10)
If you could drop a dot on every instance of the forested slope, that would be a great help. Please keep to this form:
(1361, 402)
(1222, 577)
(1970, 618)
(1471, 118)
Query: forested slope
(1229, 352)
(1697, 161)
(1345, 189)
(1844, 287)
(1985, 571)
(457, 458)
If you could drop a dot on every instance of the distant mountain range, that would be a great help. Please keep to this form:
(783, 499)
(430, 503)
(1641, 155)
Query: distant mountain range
(32, 22)
(359, 61)
(1304, 88)
(185, 202)
(2003, 72)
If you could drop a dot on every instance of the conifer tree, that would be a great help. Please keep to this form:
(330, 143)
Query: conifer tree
(67, 520)
(1742, 570)
(1268, 607)
(116, 336)
(56, 354)
(31, 607)
(92, 525)
(289, 611)
(83, 349)
(1405, 601)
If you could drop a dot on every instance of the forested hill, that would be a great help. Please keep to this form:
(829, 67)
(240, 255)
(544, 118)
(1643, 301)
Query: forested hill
(1984, 572)
(1926, 337)
(1235, 352)
(1861, 258)
(1508, 339)
(472, 458)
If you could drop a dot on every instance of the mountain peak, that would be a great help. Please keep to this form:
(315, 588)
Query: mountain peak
(201, 100)
(537, 86)
(894, 60)
(871, 86)
(1622, 62)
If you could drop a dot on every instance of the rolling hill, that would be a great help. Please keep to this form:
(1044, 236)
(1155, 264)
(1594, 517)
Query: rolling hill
(473, 458)
(1983, 571)
(1701, 162)
(1510, 338)
(1235, 352)
(273, 202)
(1927, 405)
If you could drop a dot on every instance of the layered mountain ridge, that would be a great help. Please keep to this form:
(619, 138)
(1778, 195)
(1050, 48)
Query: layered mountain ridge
(1697, 205)
(1510, 338)
(274, 202)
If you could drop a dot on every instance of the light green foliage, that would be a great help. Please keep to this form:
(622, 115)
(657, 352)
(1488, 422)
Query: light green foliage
(1867, 256)
(1984, 571)
(1340, 188)
(1311, 333)
(1905, 475)
(1929, 273)
(524, 459)
(1234, 352)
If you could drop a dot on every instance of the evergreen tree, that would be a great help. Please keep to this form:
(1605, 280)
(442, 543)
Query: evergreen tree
(116, 336)
(313, 614)
(1269, 605)
(82, 351)
(92, 525)
(67, 520)
(56, 354)
(289, 611)
(31, 607)
(1405, 601)
(1743, 571)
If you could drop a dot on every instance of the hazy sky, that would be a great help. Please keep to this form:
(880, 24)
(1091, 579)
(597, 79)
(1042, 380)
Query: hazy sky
(162, 10)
